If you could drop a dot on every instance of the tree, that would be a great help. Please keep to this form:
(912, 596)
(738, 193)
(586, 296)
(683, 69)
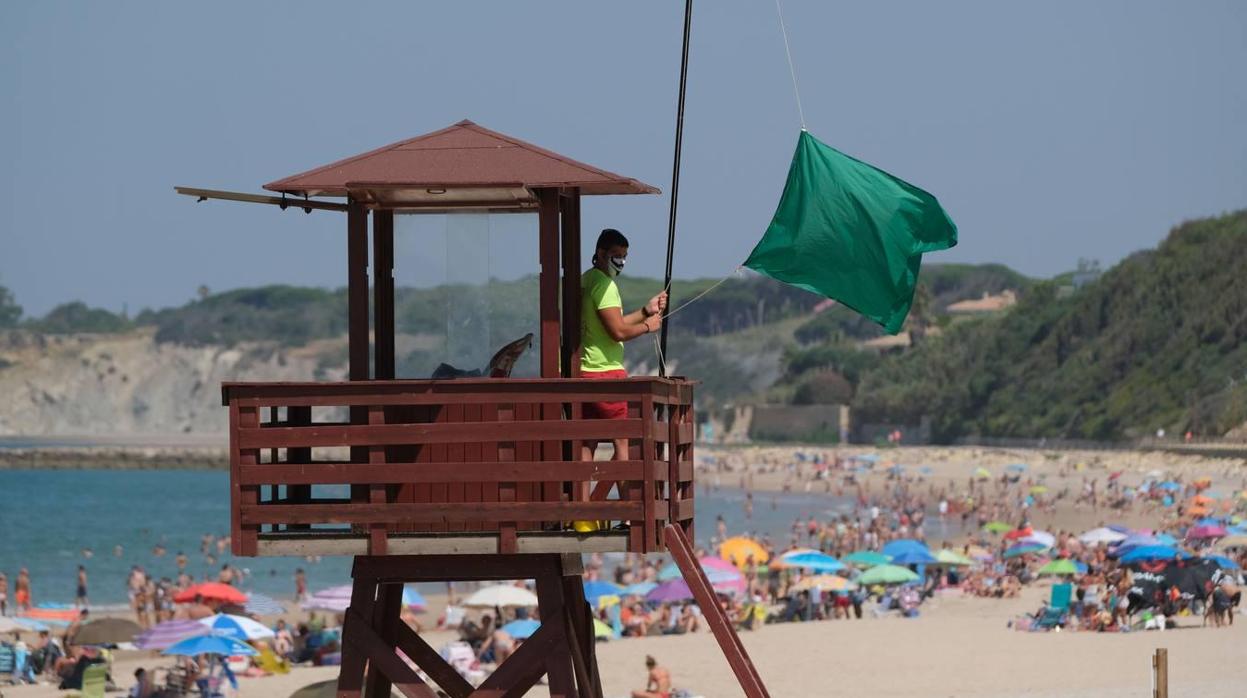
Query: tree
(10, 311)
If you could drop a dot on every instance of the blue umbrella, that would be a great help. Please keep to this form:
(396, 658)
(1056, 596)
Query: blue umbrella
(1153, 552)
(1080, 566)
(812, 560)
(638, 589)
(261, 605)
(1170, 485)
(1209, 521)
(913, 557)
(901, 545)
(413, 598)
(521, 629)
(210, 644)
(1016, 467)
(1223, 562)
(1023, 549)
(1165, 539)
(596, 588)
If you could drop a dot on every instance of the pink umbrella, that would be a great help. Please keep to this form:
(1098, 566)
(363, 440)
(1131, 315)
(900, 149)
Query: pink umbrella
(1206, 532)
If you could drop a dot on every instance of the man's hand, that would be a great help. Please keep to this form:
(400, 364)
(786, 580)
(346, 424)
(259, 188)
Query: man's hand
(653, 323)
(657, 304)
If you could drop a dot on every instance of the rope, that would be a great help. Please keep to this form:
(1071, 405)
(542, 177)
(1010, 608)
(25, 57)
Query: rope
(658, 348)
(791, 69)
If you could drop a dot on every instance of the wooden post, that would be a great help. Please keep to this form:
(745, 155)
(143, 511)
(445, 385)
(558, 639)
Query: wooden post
(383, 294)
(548, 242)
(571, 284)
(357, 320)
(1160, 673)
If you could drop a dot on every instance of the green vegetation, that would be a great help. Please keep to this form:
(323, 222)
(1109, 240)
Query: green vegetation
(1156, 342)
(77, 317)
(10, 311)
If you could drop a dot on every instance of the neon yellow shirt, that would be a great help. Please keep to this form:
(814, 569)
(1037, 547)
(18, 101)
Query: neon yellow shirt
(598, 351)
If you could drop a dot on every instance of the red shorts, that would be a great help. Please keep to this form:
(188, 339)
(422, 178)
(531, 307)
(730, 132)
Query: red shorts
(605, 410)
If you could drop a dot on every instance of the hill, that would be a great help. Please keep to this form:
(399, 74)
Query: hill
(1159, 341)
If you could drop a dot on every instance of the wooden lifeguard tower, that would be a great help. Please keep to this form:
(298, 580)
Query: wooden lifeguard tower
(469, 479)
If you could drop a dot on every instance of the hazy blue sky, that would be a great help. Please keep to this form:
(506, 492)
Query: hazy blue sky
(1050, 131)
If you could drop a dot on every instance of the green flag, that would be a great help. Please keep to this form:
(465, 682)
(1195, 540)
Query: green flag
(851, 232)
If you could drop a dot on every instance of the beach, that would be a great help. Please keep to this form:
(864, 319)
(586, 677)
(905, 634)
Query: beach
(958, 644)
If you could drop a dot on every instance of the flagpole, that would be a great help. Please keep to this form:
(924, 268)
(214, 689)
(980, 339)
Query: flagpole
(675, 184)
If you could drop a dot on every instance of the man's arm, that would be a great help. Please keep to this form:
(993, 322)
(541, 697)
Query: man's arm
(623, 328)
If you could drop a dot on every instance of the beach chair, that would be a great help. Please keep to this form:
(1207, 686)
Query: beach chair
(93, 681)
(1058, 607)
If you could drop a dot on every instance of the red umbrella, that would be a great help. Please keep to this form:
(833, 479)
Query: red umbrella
(1019, 533)
(212, 591)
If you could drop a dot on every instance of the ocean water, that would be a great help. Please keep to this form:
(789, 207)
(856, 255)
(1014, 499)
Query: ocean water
(48, 517)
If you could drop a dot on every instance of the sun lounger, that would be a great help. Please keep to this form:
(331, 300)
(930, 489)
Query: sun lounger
(1057, 612)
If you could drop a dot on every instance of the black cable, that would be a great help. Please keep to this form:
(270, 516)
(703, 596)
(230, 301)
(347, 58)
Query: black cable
(675, 182)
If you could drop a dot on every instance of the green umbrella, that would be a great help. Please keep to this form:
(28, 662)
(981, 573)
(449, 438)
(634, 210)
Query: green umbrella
(997, 527)
(1059, 566)
(866, 558)
(952, 557)
(887, 574)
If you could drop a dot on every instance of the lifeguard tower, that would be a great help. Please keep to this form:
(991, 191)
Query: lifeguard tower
(467, 479)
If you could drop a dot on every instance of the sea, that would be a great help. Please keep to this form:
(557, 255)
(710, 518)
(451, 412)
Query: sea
(52, 521)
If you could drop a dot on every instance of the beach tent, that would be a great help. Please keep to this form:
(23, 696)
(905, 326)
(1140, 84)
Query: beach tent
(887, 574)
(870, 558)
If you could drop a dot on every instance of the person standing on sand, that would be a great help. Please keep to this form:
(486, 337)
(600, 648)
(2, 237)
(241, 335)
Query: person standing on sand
(4, 594)
(657, 683)
(300, 585)
(22, 597)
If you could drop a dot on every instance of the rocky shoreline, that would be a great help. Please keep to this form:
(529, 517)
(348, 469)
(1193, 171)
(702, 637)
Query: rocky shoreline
(114, 458)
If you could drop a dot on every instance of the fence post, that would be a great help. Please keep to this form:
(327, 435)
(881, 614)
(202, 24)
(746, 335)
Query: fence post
(1160, 673)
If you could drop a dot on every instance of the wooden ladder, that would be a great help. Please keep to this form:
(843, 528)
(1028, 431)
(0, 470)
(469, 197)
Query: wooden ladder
(682, 553)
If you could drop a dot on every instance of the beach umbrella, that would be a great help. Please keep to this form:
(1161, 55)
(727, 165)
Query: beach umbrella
(1016, 467)
(1209, 521)
(334, 599)
(106, 631)
(1205, 532)
(997, 527)
(1039, 489)
(824, 582)
(715, 573)
(168, 633)
(914, 557)
(237, 627)
(1059, 567)
(602, 631)
(978, 552)
(1153, 552)
(867, 558)
(1223, 562)
(1043, 538)
(674, 590)
(738, 550)
(982, 474)
(1238, 540)
(414, 600)
(1019, 533)
(595, 589)
(521, 629)
(952, 558)
(261, 605)
(887, 574)
(501, 595)
(811, 560)
(211, 591)
(1170, 486)
(1023, 549)
(210, 644)
(901, 545)
(638, 589)
(1097, 536)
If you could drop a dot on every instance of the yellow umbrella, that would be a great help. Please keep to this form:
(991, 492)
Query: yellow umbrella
(1039, 489)
(738, 550)
(982, 474)
(826, 582)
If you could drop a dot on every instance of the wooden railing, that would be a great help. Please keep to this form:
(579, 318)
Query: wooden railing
(475, 465)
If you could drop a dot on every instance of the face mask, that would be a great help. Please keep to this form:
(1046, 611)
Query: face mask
(616, 265)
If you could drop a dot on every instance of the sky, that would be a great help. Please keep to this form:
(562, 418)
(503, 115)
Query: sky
(1049, 131)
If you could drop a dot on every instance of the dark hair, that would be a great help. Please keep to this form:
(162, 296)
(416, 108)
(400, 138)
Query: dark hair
(610, 238)
(650, 661)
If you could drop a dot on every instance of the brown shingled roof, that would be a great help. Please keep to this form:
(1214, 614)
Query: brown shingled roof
(462, 165)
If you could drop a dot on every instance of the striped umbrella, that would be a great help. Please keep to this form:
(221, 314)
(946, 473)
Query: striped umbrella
(167, 634)
(261, 605)
(335, 599)
(237, 627)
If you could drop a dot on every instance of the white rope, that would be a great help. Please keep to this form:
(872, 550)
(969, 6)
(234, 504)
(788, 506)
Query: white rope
(662, 360)
(791, 69)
